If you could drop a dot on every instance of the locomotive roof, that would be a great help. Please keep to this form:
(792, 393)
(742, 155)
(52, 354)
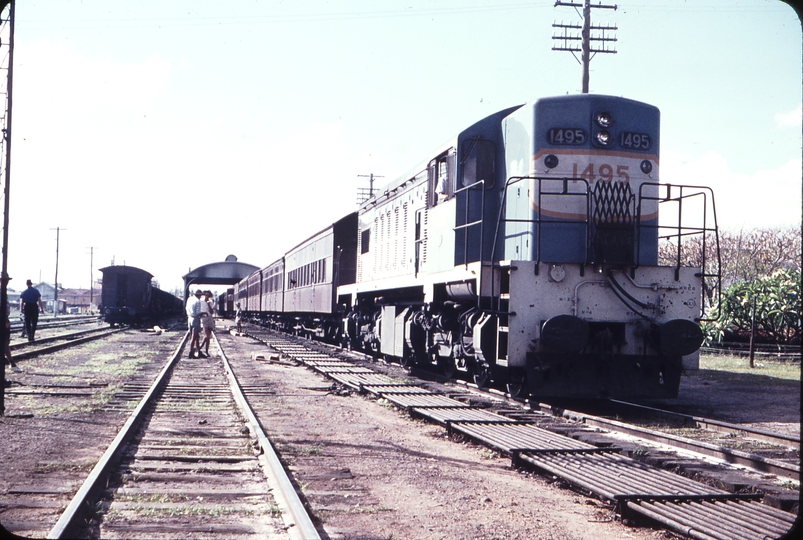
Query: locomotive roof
(450, 143)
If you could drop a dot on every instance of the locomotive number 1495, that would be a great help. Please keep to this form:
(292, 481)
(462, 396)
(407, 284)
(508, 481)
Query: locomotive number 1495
(603, 172)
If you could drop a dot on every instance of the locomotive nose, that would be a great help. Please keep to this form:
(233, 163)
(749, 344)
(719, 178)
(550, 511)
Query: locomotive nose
(677, 337)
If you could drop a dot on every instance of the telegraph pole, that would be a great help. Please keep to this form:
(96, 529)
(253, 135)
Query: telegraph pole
(5, 336)
(362, 194)
(91, 276)
(56, 284)
(569, 37)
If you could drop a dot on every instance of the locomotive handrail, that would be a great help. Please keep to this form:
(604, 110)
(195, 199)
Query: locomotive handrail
(564, 180)
(539, 221)
(678, 232)
(515, 179)
(478, 184)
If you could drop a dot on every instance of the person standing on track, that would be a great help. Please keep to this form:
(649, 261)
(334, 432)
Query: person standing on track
(238, 319)
(194, 323)
(207, 321)
(31, 304)
(7, 330)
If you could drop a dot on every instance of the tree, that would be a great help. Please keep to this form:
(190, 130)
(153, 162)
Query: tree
(760, 264)
(744, 255)
(777, 310)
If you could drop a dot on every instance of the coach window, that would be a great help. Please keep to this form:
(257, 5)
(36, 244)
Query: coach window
(477, 160)
(365, 241)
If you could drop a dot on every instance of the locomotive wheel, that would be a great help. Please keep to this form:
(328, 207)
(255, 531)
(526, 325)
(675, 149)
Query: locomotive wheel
(517, 389)
(407, 361)
(482, 376)
(447, 367)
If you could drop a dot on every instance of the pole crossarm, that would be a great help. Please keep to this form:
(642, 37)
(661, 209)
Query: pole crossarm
(569, 39)
(575, 4)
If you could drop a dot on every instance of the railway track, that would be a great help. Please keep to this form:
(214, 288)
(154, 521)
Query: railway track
(190, 460)
(736, 444)
(55, 322)
(638, 489)
(57, 342)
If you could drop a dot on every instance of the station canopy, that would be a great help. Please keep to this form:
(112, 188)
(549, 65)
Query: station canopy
(227, 273)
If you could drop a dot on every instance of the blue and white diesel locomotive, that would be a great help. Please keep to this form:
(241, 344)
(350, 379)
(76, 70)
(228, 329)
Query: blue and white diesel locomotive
(524, 252)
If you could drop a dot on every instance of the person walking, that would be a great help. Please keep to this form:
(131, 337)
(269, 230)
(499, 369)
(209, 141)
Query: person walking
(31, 304)
(194, 323)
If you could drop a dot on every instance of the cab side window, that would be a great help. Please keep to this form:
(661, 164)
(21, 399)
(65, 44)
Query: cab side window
(441, 176)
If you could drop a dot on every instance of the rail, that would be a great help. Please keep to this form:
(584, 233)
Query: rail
(284, 492)
(112, 454)
(297, 523)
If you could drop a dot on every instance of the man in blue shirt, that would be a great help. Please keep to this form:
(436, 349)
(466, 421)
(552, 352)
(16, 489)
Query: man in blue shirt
(31, 304)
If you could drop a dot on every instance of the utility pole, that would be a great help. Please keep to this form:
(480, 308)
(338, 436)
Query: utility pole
(56, 279)
(363, 194)
(5, 336)
(569, 37)
(91, 276)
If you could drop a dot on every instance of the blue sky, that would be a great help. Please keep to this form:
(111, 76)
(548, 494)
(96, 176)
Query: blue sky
(167, 135)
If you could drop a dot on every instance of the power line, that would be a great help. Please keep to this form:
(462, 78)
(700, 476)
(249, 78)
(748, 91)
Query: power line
(274, 19)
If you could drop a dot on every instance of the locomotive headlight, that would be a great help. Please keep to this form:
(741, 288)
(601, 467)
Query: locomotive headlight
(551, 161)
(604, 138)
(604, 119)
(646, 167)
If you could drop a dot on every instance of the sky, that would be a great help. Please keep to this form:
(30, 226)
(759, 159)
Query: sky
(169, 135)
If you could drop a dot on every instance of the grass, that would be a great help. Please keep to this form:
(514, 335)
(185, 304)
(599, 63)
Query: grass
(93, 365)
(152, 498)
(191, 510)
(741, 364)
(47, 468)
(372, 509)
(788, 484)
(310, 450)
(488, 454)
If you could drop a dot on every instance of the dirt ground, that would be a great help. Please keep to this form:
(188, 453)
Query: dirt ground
(743, 398)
